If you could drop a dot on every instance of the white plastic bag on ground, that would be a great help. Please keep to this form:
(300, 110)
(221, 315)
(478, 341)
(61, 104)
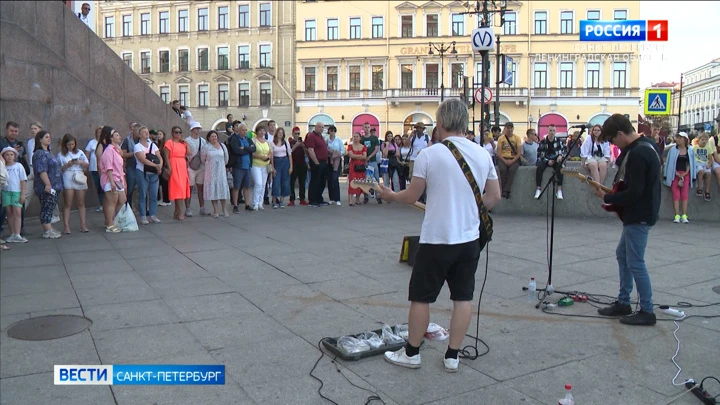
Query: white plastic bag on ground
(436, 332)
(352, 345)
(391, 338)
(372, 339)
(125, 219)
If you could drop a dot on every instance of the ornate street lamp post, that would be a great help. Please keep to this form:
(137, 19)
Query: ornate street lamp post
(441, 49)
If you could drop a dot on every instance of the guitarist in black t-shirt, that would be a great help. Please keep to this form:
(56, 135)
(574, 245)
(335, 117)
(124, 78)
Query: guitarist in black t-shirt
(640, 200)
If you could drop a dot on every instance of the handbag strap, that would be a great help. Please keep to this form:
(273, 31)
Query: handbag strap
(485, 221)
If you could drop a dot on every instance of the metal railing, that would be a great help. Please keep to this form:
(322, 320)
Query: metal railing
(434, 93)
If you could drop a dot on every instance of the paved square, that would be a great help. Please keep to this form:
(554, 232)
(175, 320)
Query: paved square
(257, 291)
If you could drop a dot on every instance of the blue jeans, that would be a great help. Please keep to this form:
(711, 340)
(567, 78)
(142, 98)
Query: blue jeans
(630, 254)
(281, 182)
(147, 189)
(131, 178)
(98, 187)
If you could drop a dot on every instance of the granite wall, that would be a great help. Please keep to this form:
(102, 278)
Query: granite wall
(55, 70)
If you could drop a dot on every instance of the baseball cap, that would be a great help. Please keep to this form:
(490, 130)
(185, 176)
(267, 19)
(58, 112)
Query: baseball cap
(684, 135)
(296, 129)
(420, 125)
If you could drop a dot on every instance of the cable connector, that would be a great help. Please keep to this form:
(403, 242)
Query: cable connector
(700, 392)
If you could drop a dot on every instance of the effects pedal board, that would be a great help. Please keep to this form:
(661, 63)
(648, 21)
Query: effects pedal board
(702, 395)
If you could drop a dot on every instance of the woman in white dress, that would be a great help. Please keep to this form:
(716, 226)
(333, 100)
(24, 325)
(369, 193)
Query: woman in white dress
(215, 157)
(74, 164)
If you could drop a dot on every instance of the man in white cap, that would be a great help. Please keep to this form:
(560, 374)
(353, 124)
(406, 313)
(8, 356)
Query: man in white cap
(196, 177)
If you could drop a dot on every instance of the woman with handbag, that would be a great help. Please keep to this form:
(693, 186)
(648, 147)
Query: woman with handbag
(148, 163)
(176, 170)
(283, 168)
(358, 156)
(163, 196)
(262, 163)
(48, 182)
(112, 177)
(74, 163)
(215, 156)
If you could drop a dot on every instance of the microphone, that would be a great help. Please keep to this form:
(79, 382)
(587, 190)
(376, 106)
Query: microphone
(581, 126)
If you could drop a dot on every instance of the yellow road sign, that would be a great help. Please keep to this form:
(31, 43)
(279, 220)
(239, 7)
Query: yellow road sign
(657, 101)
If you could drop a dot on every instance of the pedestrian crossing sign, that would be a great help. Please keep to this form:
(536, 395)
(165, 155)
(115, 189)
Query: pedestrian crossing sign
(657, 102)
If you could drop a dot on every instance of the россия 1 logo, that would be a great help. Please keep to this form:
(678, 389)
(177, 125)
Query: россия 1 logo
(624, 30)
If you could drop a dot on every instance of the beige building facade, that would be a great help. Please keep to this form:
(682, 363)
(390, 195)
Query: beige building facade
(215, 57)
(701, 97)
(368, 61)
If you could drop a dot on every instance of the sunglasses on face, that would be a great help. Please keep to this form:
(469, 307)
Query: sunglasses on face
(177, 132)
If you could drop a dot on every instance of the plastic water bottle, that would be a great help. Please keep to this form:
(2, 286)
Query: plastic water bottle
(568, 400)
(532, 288)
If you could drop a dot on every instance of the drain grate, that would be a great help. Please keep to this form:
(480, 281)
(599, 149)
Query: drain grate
(717, 289)
(48, 327)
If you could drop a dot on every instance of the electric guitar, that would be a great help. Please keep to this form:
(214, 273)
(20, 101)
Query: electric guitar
(370, 184)
(594, 184)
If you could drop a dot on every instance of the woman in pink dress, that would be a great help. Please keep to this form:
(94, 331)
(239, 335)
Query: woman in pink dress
(175, 158)
(358, 155)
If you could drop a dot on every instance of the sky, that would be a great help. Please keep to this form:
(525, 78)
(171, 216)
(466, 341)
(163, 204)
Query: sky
(693, 38)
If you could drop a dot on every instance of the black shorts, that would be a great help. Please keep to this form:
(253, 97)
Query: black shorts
(435, 264)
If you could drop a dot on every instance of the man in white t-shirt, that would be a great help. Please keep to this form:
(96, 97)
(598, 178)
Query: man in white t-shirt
(449, 239)
(418, 141)
(194, 144)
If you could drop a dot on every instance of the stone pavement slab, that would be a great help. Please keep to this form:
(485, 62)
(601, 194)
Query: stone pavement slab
(257, 291)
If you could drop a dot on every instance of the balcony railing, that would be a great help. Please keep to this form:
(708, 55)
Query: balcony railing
(434, 93)
(583, 92)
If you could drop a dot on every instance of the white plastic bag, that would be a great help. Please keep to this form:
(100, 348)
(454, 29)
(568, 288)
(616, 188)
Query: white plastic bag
(391, 338)
(352, 345)
(436, 332)
(125, 219)
(372, 339)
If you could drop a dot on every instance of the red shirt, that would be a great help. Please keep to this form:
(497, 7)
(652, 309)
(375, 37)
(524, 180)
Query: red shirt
(317, 142)
(298, 155)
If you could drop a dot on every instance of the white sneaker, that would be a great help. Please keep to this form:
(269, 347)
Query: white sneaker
(50, 234)
(203, 211)
(537, 194)
(261, 208)
(55, 219)
(338, 203)
(559, 195)
(188, 213)
(99, 209)
(451, 365)
(144, 221)
(399, 358)
(22, 239)
(155, 220)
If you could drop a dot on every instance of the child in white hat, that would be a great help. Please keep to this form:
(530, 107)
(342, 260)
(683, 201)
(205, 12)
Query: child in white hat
(13, 193)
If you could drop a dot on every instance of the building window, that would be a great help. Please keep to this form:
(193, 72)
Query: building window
(165, 94)
(406, 26)
(265, 17)
(223, 62)
(183, 60)
(566, 75)
(203, 59)
(145, 24)
(244, 95)
(458, 25)
(593, 15)
(566, 22)
(378, 77)
(431, 25)
(184, 95)
(331, 78)
(164, 61)
(620, 75)
(540, 77)
(377, 27)
(182, 22)
(244, 16)
(332, 29)
(310, 34)
(265, 94)
(223, 90)
(309, 79)
(127, 25)
(109, 27)
(203, 20)
(457, 73)
(127, 58)
(431, 76)
(620, 15)
(145, 62)
(354, 78)
(593, 75)
(355, 28)
(265, 56)
(223, 18)
(164, 22)
(406, 76)
(203, 91)
(243, 56)
(510, 26)
(541, 22)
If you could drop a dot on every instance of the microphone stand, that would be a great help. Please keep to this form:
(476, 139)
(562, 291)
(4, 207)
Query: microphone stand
(553, 180)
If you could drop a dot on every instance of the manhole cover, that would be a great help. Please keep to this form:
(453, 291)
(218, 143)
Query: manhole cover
(717, 289)
(48, 327)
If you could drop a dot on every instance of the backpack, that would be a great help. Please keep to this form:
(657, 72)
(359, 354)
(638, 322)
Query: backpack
(232, 158)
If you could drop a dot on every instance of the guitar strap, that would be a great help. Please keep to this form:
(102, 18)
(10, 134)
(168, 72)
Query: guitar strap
(621, 172)
(486, 223)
